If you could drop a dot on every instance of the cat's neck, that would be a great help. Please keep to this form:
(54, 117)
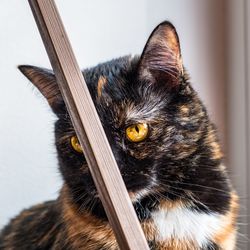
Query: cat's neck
(171, 224)
(82, 225)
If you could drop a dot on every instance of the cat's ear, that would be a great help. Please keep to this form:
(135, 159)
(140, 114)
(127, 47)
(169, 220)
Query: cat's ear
(161, 60)
(45, 82)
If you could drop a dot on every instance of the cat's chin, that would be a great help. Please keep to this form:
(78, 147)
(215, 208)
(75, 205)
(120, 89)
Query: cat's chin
(134, 196)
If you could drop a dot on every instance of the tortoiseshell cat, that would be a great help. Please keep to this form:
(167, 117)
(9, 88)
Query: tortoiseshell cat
(166, 148)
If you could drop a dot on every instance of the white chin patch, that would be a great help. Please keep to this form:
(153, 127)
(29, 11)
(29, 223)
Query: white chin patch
(185, 224)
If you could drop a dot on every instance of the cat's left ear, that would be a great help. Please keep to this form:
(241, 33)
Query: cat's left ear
(161, 60)
(45, 82)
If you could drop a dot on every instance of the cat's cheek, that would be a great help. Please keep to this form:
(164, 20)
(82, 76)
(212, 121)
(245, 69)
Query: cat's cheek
(85, 169)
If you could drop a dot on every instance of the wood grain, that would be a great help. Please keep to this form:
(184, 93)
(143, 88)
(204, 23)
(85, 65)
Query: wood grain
(102, 164)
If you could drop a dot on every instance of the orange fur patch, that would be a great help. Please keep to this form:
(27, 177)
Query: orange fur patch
(216, 151)
(227, 236)
(84, 230)
(167, 205)
(211, 141)
(174, 244)
(184, 110)
(101, 82)
(149, 229)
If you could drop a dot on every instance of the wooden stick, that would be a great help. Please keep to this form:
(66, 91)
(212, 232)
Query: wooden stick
(102, 164)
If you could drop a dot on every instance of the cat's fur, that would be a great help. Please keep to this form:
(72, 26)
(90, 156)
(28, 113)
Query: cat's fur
(175, 177)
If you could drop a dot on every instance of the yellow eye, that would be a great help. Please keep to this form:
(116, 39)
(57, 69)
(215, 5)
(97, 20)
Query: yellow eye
(76, 144)
(137, 132)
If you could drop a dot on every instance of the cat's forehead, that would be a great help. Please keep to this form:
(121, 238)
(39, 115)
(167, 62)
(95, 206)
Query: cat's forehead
(119, 95)
(111, 69)
(111, 80)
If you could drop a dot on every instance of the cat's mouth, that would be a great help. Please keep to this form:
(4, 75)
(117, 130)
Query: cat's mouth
(134, 196)
(138, 186)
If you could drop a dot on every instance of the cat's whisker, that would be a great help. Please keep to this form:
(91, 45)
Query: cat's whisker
(188, 196)
(198, 185)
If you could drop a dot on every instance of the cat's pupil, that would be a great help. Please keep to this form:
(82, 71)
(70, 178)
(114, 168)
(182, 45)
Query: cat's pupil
(137, 129)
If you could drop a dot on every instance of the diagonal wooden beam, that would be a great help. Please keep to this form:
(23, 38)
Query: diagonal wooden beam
(102, 164)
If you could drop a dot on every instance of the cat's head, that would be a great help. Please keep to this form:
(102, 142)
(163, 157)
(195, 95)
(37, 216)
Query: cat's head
(155, 123)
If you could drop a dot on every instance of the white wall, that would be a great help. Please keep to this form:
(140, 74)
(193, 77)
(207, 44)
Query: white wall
(98, 30)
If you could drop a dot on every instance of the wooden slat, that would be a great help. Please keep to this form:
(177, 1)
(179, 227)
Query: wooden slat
(102, 164)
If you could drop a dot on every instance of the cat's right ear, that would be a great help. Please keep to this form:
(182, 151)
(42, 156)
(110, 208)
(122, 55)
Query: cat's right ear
(45, 82)
(161, 60)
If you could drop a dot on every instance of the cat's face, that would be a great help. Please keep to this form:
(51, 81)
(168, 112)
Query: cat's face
(153, 119)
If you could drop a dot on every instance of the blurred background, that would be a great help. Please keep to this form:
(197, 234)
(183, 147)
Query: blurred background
(214, 37)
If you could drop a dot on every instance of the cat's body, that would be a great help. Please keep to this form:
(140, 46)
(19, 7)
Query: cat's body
(59, 225)
(175, 175)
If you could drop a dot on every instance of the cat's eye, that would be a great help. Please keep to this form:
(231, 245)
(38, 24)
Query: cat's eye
(137, 132)
(76, 144)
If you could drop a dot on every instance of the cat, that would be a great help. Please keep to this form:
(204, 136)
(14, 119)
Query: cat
(166, 148)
